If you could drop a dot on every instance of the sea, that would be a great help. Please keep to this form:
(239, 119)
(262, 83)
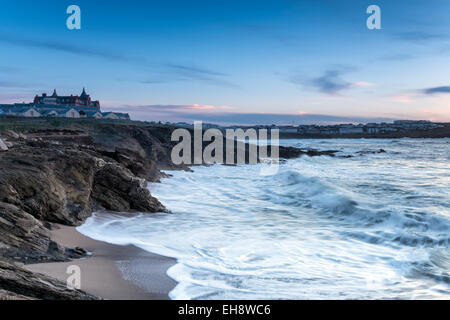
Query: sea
(365, 224)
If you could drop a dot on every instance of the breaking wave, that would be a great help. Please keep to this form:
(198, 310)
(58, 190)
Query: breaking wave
(375, 225)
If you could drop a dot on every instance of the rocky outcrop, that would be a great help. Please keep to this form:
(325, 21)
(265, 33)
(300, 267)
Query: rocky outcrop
(57, 183)
(115, 188)
(45, 181)
(19, 284)
(24, 238)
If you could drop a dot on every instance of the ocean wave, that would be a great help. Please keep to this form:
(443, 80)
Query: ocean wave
(322, 227)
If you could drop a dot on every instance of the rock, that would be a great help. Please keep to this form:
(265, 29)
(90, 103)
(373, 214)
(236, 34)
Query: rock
(24, 238)
(6, 295)
(76, 253)
(18, 284)
(364, 152)
(11, 134)
(117, 189)
(3, 146)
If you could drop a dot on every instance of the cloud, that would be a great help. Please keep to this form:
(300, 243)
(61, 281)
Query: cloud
(163, 73)
(434, 90)
(193, 70)
(185, 72)
(404, 97)
(331, 81)
(7, 69)
(418, 36)
(12, 84)
(362, 84)
(396, 57)
(63, 47)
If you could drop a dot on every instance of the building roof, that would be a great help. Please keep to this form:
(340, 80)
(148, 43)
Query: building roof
(64, 111)
(118, 114)
(92, 113)
(23, 110)
(45, 112)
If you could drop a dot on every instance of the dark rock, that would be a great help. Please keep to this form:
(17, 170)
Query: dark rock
(364, 152)
(17, 283)
(24, 238)
(117, 189)
(76, 253)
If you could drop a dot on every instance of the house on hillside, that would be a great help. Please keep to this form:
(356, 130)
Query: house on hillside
(49, 113)
(69, 113)
(25, 112)
(115, 116)
(91, 114)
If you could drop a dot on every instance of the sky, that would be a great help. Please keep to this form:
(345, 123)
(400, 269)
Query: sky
(247, 61)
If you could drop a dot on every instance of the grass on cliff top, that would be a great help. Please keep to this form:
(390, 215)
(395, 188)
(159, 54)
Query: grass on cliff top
(27, 124)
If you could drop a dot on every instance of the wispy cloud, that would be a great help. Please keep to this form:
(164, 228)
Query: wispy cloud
(435, 90)
(418, 36)
(194, 70)
(12, 84)
(170, 72)
(404, 97)
(362, 84)
(162, 73)
(396, 57)
(7, 69)
(64, 47)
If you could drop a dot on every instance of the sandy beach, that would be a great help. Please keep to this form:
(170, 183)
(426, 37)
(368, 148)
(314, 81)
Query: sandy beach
(112, 272)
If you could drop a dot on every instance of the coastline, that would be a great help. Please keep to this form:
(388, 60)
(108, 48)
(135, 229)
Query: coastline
(145, 273)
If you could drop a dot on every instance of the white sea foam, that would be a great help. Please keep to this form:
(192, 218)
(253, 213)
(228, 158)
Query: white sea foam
(370, 226)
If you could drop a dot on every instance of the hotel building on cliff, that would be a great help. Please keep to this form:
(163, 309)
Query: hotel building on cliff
(56, 106)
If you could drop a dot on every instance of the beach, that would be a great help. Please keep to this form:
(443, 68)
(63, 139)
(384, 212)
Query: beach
(145, 273)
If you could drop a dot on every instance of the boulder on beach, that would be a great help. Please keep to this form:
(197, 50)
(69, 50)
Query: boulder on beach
(3, 146)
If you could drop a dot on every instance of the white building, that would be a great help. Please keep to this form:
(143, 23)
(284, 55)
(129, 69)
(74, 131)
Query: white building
(115, 116)
(91, 114)
(110, 115)
(49, 113)
(25, 112)
(69, 113)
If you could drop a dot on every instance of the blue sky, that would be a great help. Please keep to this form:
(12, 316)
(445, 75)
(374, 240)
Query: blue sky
(282, 61)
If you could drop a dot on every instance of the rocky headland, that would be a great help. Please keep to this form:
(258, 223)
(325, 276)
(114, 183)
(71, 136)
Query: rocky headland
(59, 173)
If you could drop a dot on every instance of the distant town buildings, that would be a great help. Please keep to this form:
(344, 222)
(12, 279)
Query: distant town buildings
(56, 106)
(333, 130)
(370, 128)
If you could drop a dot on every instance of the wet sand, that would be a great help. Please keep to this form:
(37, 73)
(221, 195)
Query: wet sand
(112, 272)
